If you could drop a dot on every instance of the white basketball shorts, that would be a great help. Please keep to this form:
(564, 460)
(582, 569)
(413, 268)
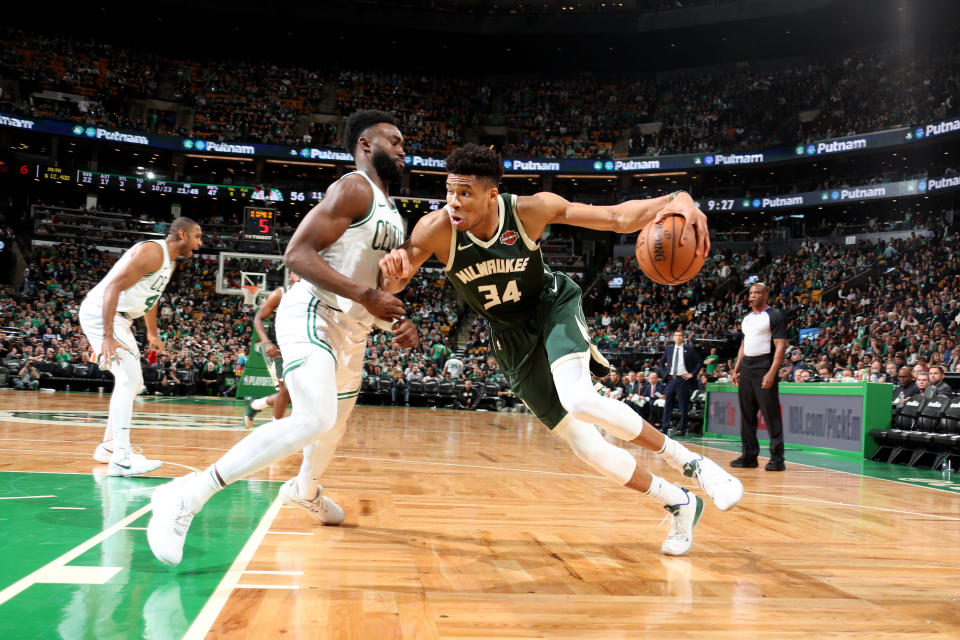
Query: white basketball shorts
(306, 327)
(91, 321)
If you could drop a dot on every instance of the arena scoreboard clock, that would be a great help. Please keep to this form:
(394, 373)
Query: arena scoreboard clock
(258, 223)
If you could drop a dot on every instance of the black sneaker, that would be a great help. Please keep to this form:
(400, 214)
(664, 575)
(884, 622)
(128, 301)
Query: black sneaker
(249, 413)
(775, 465)
(744, 462)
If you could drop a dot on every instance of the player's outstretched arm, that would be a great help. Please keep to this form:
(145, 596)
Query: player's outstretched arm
(541, 209)
(346, 201)
(144, 259)
(430, 236)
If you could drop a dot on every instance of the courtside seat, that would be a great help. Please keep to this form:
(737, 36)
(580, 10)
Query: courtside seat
(416, 392)
(491, 397)
(431, 393)
(445, 398)
(950, 422)
(927, 425)
(893, 442)
(368, 389)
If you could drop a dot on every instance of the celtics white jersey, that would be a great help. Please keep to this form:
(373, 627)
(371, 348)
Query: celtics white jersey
(143, 295)
(356, 254)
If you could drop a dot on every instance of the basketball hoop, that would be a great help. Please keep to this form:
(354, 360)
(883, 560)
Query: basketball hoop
(250, 292)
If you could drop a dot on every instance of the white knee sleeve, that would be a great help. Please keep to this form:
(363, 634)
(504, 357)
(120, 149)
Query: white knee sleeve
(589, 445)
(313, 392)
(581, 400)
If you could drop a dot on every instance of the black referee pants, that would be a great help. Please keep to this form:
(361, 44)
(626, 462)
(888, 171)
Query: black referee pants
(754, 398)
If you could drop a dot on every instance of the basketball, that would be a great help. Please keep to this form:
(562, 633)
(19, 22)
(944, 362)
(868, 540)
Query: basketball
(660, 255)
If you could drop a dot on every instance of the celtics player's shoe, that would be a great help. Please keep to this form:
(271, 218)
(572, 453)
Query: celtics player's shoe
(249, 413)
(684, 518)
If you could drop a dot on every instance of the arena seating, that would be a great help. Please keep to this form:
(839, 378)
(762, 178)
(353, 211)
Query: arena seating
(92, 82)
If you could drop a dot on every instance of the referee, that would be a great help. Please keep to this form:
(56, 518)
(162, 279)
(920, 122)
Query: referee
(761, 353)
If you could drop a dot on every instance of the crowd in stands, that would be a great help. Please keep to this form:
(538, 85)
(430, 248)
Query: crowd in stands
(200, 327)
(697, 111)
(855, 312)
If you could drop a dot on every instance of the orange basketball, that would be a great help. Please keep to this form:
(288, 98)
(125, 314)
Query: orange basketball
(660, 255)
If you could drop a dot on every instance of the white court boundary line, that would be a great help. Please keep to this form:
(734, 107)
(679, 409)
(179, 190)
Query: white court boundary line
(916, 485)
(215, 603)
(855, 506)
(32, 578)
(26, 497)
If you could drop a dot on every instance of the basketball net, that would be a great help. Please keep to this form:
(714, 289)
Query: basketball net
(250, 292)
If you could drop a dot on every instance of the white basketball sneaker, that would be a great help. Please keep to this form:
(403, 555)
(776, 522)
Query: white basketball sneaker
(322, 508)
(103, 451)
(725, 490)
(168, 526)
(684, 518)
(124, 462)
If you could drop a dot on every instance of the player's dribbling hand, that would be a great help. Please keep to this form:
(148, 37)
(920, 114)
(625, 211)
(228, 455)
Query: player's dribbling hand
(405, 334)
(382, 305)
(684, 205)
(396, 264)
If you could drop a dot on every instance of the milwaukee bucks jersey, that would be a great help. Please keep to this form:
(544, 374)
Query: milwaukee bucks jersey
(502, 278)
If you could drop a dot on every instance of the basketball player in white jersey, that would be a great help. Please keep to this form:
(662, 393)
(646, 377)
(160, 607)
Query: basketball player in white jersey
(322, 327)
(131, 290)
(272, 357)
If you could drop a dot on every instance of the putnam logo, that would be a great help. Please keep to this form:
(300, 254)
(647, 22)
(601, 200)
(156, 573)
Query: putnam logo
(509, 237)
(420, 161)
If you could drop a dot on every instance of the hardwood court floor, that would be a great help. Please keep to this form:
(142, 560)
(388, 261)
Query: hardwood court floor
(459, 525)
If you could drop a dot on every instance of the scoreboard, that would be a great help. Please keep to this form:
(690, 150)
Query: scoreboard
(258, 223)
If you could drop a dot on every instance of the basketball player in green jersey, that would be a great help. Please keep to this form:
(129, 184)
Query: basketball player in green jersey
(487, 241)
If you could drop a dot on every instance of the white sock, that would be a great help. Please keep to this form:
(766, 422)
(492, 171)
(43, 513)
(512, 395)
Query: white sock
(666, 493)
(200, 488)
(259, 404)
(676, 454)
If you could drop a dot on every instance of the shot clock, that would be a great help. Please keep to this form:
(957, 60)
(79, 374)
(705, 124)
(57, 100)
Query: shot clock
(258, 223)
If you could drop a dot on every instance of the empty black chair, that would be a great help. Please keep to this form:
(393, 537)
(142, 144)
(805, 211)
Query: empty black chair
(950, 422)
(893, 441)
(491, 397)
(947, 441)
(431, 393)
(384, 386)
(926, 426)
(445, 398)
(416, 392)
